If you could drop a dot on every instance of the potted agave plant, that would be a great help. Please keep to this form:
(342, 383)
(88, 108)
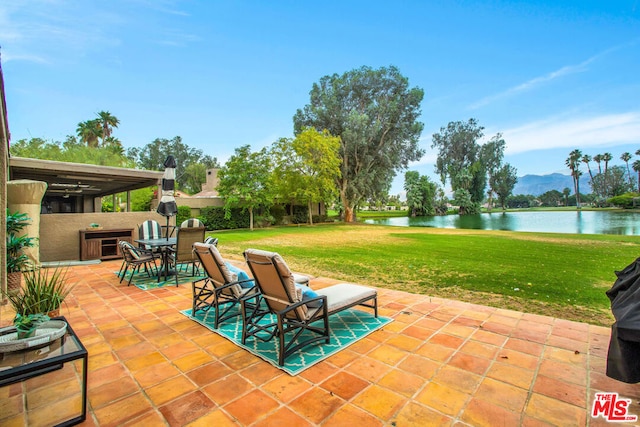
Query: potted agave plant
(17, 260)
(43, 292)
(26, 325)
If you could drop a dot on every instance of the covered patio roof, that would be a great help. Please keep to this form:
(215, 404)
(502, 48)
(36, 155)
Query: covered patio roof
(81, 179)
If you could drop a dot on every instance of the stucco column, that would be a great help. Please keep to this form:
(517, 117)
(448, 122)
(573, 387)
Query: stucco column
(25, 196)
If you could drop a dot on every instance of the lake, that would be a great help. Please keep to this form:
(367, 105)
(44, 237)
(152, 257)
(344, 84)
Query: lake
(587, 222)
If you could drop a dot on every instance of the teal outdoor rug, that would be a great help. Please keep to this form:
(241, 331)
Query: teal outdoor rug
(144, 282)
(347, 327)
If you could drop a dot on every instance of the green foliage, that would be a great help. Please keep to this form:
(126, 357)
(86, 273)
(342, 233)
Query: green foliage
(42, 292)
(520, 201)
(625, 201)
(278, 212)
(245, 181)
(152, 157)
(375, 114)
(300, 214)
(460, 160)
(17, 260)
(29, 322)
(553, 198)
(306, 168)
(141, 199)
(184, 213)
(503, 181)
(215, 218)
(421, 194)
(69, 151)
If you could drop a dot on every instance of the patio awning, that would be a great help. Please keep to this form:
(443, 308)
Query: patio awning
(80, 179)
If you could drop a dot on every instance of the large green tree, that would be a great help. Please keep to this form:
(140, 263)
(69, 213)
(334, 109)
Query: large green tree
(153, 155)
(306, 167)
(245, 181)
(421, 194)
(375, 114)
(491, 155)
(503, 181)
(460, 162)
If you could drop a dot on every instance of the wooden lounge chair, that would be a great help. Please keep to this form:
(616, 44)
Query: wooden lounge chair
(295, 312)
(220, 290)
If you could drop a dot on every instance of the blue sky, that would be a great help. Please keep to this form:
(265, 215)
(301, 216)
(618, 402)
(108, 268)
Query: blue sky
(551, 76)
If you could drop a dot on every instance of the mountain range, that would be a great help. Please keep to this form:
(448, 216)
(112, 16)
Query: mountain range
(540, 184)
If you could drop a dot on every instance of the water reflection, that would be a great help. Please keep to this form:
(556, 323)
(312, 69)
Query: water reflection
(588, 222)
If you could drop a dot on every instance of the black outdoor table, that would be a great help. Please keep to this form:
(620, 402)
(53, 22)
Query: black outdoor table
(164, 245)
(21, 365)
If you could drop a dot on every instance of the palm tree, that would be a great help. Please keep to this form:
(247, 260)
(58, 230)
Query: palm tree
(636, 168)
(606, 158)
(107, 123)
(89, 132)
(625, 157)
(586, 159)
(572, 163)
(598, 158)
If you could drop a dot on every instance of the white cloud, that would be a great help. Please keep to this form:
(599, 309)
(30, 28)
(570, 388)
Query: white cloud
(577, 132)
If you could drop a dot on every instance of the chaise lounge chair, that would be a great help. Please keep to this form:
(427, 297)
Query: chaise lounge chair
(297, 309)
(221, 290)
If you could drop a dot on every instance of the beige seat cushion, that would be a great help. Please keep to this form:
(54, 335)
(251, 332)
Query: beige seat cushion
(344, 295)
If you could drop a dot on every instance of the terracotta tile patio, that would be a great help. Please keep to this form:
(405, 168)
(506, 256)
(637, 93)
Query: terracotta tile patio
(441, 362)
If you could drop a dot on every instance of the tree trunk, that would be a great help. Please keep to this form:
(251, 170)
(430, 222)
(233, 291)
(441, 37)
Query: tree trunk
(348, 214)
(251, 219)
(310, 214)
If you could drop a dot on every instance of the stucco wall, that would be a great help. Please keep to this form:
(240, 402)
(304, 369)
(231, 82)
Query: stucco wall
(60, 237)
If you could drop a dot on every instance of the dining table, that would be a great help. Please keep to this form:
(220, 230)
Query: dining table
(164, 246)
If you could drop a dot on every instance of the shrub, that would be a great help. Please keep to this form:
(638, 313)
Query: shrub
(184, 213)
(624, 201)
(300, 215)
(278, 212)
(213, 218)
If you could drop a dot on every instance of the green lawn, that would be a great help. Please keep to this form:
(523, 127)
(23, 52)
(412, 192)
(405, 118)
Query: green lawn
(561, 275)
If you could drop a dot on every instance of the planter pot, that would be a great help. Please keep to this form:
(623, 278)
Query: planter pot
(25, 333)
(14, 281)
(54, 313)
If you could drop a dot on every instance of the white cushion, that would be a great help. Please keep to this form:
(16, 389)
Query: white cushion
(344, 294)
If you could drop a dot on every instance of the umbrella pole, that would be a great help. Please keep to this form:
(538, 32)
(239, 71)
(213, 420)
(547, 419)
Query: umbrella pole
(167, 229)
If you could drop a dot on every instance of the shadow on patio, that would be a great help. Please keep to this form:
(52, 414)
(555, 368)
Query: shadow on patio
(440, 362)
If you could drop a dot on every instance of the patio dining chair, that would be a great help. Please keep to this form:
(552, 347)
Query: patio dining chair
(150, 229)
(192, 222)
(182, 255)
(221, 290)
(134, 258)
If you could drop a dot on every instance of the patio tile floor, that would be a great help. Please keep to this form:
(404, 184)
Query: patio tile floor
(441, 362)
